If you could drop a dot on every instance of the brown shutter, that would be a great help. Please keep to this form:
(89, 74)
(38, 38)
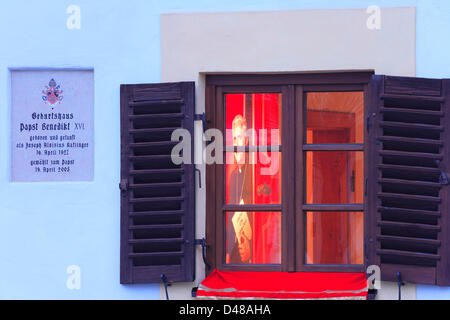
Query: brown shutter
(157, 196)
(408, 151)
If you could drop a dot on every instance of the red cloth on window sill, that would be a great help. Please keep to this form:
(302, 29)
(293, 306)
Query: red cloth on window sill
(283, 285)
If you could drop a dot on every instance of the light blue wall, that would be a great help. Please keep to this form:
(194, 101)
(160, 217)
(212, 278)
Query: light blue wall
(45, 227)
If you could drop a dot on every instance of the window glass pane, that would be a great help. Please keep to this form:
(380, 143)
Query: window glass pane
(253, 178)
(335, 117)
(334, 238)
(334, 177)
(253, 238)
(253, 119)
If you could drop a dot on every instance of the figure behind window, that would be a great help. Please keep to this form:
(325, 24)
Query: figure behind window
(239, 232)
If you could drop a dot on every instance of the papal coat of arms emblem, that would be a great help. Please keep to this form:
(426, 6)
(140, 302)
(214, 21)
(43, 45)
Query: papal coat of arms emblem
(52, 93)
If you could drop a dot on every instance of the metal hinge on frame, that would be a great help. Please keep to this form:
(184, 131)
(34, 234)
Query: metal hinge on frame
(202, 117)
(197, 170)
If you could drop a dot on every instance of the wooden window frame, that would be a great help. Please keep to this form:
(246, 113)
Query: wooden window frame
(294, 88)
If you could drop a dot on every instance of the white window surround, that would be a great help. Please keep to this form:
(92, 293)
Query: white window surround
(194, 44)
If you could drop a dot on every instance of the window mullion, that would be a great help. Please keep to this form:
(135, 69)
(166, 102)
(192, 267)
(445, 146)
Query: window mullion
(299, 116)
(288, 162)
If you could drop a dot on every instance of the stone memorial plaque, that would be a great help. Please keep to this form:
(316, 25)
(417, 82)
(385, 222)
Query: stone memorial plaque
(52, 125)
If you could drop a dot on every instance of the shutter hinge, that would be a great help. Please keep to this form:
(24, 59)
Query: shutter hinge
(123, 185)
(202, 242)
(202, 117)
(443, 179)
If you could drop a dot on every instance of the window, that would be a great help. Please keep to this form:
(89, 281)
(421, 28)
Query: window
(333, 177)
(290, 195)
(353, 172)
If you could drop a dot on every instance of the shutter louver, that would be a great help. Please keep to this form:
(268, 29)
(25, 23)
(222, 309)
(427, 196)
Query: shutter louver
(407, 159)
(157, 196)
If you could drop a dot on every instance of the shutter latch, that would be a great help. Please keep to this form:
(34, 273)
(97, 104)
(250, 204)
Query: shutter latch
(123, 185)
(202, 117)
(166, 283)
(400, 283)
(202, 242)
